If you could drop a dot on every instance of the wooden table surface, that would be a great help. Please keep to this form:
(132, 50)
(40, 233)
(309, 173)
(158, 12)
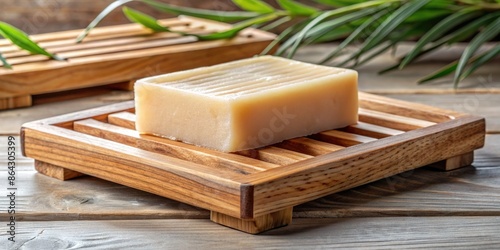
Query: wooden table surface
(424, 208)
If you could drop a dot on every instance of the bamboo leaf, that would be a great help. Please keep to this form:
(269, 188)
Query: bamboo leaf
(489, 32)
(276, 23)
(438, 30)
(446, 70)
(390, 24)
(354, 35)
(299, 37)
(324, 27)
(297, 9)
(294, 29)
(21, 39)
(393, 40)
(456, 36)
(223, 16)
(338, 33)
(290, 30)
(482, 59)
(339, 3)
(99, 18)
(254, 6)
(143, 19)
(237, 28)
(217, 15)
(5, 64)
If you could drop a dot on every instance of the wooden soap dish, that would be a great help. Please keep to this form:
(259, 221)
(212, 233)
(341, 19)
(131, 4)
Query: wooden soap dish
(255, 190)
(115, 56)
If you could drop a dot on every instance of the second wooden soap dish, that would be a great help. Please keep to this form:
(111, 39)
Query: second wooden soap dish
(255, 190)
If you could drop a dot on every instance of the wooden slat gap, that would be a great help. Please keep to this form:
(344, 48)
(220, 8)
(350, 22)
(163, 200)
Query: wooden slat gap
(219, 160)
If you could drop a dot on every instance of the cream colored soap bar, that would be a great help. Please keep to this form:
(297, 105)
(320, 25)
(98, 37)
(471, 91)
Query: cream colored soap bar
(246, 104)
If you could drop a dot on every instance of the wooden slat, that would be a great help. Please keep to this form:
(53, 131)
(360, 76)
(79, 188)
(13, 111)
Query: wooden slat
(483, 102)
(342, 138)
(403, 108)
(392, 121)
(123, 119)
(211, 158)
(370, 130)
(275, 155)
(308, 146)
(151, 172)
(354, 166)
(121, 57)
(99, 32)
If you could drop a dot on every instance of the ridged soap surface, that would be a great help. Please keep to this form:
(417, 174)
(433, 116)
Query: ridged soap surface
(246, 104)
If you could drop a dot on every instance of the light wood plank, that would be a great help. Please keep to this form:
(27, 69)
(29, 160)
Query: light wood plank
(353, 233)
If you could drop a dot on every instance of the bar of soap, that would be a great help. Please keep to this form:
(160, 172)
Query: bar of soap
(246, 104)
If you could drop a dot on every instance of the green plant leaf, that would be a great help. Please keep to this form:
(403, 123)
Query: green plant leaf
(237, 28)
(390, 24)
(354, 35)
(21, 39)
(99, 18)
(299, 37)
(143, 19)
(5, 64)
(254, 6)
(348, 19)
(393, 40)
(456, 36)
(338, 33)
(217, 15)
(439, 30)
(339, 3)
(446, 70)
(488, 33)
(324, 27)
(276, 23)
(290, 30)
(297, 9)
(428, 13)
(482, 59)
(223, 16)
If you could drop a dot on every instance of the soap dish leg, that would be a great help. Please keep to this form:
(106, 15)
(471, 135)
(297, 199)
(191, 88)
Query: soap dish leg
(56, 172)
(256, 225)
(455, 162)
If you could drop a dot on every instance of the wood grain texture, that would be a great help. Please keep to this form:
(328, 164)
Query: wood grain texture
(470, 191)
(354, 233)
(56, 172)
(340, 170)
(217, 182)
(119, 54)
(256, 225)
(483, 104)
